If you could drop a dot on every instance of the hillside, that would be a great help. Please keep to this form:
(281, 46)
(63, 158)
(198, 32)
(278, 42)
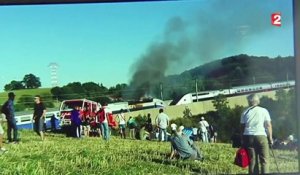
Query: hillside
(29, 92)
(24, 100)
(232, 71)
(61, 155)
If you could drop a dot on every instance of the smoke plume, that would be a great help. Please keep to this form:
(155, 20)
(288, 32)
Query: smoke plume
(211, 33)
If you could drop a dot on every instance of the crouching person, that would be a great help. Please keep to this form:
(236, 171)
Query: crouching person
(184, 148)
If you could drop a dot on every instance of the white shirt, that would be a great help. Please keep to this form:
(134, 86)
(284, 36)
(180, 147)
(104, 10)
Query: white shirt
(254, 119)
(195, 131)
(106, 111)
(121, 119)
(162, 120)
(203, 125)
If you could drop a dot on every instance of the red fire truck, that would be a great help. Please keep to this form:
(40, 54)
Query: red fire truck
(68, 105)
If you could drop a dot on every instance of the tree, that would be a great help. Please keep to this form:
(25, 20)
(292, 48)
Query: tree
(221, 104)
(31, 81)
(117, 91)
(26, 101)
(57, 93)
(14, 85)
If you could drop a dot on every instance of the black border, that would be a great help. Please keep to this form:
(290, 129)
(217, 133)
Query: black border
(296, 12)
(41, 2)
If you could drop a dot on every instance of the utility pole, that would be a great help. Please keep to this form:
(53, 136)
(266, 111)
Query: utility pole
(253, 79)
(161, 92)
(196, 85)
(53, 72)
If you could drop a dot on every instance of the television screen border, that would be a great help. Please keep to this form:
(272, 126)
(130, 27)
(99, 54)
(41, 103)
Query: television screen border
(296, 20)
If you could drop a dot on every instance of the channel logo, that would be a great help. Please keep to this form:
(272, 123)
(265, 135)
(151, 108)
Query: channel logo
(276, 19)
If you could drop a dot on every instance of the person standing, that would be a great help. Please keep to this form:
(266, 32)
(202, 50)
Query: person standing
(9, 111)
(132, 125)
(39, 115)
(203, 130)
(76, 122)
(102, 118)
(162, 121)
(2, 149)
(257, 129)
(149, 127)
(122, 124)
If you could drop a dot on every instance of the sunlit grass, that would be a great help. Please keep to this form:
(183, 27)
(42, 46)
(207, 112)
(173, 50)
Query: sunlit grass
(61, 155)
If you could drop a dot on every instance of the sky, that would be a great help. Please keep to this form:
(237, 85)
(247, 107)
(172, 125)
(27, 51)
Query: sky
(106, 42)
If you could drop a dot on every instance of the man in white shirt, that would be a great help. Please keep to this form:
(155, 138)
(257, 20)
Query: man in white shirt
(162, 121)
(255, 122)
(203, 130)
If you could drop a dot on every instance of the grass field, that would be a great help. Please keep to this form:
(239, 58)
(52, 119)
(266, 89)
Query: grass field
(61, 155)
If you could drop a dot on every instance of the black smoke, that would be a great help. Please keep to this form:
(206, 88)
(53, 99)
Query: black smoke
(224, 27)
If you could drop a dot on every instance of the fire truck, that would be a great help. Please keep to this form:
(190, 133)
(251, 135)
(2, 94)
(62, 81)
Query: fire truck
(68, 105)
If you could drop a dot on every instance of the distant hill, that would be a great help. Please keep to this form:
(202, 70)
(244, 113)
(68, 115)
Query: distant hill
(29, 92)
(231, 71)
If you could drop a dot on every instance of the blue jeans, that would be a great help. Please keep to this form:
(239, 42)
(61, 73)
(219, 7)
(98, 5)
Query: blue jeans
(105, 131)
(161, 130)
(12, 125)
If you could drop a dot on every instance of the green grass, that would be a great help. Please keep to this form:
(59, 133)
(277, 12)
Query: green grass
(61, 155)
(19, 93)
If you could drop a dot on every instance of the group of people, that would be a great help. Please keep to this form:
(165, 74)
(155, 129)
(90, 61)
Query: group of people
(85, 122)
(8, 112)
(205, 132)
(255, 123)
(256, 137)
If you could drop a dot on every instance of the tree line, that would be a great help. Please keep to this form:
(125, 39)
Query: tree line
(226, 120)
(29, 81)
(220, 74)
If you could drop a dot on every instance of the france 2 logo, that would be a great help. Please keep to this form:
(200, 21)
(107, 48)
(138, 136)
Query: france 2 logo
(276, 19)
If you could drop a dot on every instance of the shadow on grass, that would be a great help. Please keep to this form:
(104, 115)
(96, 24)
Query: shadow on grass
(163, 158)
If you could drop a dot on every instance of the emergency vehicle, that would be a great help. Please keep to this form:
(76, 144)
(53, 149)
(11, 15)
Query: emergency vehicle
(68, 105)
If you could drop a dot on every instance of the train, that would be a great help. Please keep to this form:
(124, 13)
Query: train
(234, 91)
(52, 121)
(146, 103)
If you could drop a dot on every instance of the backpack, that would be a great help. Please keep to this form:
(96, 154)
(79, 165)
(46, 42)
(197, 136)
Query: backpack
(242, 158)
(4, 108)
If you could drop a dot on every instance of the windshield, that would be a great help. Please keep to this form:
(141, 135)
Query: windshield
(69, 105)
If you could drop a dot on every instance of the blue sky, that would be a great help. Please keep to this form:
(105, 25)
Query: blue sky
(102, 42)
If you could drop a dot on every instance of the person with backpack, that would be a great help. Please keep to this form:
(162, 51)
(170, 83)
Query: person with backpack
(203, 130)
(257, 130)
(9, 111)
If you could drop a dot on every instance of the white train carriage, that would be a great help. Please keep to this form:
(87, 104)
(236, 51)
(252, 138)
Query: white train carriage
(116, 108)
(192, 97)
(146, 104)
(284, 84)
(52, 121)
(250, 88)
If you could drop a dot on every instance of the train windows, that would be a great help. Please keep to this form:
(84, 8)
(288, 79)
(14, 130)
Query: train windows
(26, 118)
